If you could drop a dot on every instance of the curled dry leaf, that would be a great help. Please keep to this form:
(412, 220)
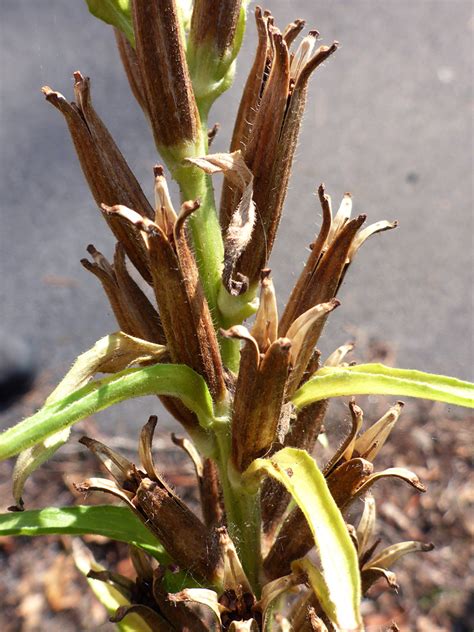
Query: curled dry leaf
(239, 230)
(110, 354)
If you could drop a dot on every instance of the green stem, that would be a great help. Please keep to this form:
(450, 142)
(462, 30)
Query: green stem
(230, 352)
(242, 511)
(207, 241)
(205, 231)
(209, 249)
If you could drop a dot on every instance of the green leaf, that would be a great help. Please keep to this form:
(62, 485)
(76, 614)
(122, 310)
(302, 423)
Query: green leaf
(298, 472)
(117, 13)
(377, 379)
(109, 596)
(110, 354)
(175, 380)
(116, 523)
(111, 521)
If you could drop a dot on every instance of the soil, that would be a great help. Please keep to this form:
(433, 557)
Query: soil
(40, 587)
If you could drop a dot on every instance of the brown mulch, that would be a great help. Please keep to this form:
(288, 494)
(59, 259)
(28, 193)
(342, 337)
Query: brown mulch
(41, 589)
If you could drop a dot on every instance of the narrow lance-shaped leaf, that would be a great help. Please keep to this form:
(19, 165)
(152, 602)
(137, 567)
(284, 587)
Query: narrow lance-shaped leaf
(317, 583)
(377, 379)
(298, 472)
(175, 380)
(110, 521)
(109, 355)
(109, 596)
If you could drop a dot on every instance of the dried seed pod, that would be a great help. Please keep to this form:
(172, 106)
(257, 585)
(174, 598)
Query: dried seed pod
(293, 308)
(182, 534)
(188, 541)
(260, 155)
(132, 70)
(133, 311)
(109, 177)
(215, 26)
(250, 100)
(278, 143)
(169, 95)
(184, 312)
(248, 108)
(208, 354)
(331, 254)
(258, 400)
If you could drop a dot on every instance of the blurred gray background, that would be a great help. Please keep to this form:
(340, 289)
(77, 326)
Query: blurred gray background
(389, 119)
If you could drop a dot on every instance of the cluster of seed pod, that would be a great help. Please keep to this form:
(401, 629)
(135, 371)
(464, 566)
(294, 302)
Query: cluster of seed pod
(190, 314)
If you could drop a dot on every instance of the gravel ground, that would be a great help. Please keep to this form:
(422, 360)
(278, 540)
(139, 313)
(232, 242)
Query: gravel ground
(436, 588)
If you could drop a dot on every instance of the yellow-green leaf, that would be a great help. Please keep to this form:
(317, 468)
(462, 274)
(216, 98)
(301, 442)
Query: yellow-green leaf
(175, 380)
(110, 354)
(298, 472)
(109, 597)
(377, 379)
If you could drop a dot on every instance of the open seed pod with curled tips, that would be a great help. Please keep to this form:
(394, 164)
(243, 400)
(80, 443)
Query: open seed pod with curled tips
(267, 546)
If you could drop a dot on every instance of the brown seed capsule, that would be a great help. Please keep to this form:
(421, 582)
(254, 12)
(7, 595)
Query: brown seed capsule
(169, 96)
(132, 309)
(187, 540)
(132, 69)
(257, 403)
(215, 25)
(182, 534)
(108, 175)
(272, 137)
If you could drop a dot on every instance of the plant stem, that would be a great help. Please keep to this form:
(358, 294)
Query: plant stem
(207, 241)
(230, 352)
(242, 511)
(205, 230)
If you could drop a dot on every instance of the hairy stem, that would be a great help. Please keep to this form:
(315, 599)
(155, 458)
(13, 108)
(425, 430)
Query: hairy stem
(243, 513)
(207, 241)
